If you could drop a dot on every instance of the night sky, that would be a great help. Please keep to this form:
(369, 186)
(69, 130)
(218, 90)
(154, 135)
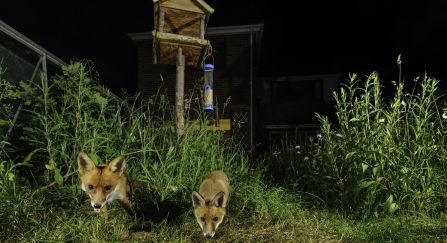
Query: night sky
(320, 37)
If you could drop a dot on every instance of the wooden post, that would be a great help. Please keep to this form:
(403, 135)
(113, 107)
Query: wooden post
(179, 93)
(161, 20)
(202, 27)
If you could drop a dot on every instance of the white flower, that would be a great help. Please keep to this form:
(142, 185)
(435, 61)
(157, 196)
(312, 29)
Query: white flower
(403, 103)
(306, 158)
(382, 120)
(444, 115)
(297, 146)
(339, 135)
(319, 136)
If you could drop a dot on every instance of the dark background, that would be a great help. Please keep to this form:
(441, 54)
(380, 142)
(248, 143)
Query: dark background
(300, 37)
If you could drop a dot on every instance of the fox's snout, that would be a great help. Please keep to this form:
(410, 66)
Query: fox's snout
(97, 199)
(209, 226)
(97, 207)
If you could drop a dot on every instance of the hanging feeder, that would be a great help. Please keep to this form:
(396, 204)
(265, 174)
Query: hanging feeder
(208, 68)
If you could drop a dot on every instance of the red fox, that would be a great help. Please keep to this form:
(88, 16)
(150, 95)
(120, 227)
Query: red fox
(210, 202)
(105, 183)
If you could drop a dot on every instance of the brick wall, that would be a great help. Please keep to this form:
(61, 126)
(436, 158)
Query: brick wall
(231, 80)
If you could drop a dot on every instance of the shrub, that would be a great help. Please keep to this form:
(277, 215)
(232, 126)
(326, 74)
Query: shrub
(381, 158)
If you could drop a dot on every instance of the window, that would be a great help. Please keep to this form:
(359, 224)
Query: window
(297, 91)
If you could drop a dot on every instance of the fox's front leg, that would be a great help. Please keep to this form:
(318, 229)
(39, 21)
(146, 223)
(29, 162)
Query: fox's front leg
(127, 206)
(104, 211)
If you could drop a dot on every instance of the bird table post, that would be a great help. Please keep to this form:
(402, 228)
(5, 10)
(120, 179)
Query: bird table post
(179, 92)
(179, 26)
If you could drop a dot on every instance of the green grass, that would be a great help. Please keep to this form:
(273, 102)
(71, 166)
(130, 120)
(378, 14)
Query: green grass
(276, 216)
(379, 177)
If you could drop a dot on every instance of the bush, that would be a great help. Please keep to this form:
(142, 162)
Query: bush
(382, 158)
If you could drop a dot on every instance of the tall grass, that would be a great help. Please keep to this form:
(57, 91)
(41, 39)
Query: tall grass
(381, 158)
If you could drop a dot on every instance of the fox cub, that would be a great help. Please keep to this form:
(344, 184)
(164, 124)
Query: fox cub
(105, 183)
(210, 202)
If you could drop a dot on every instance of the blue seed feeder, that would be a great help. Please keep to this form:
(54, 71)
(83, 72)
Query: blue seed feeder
(208, 95)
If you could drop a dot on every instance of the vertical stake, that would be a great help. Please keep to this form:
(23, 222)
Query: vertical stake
(179, 93)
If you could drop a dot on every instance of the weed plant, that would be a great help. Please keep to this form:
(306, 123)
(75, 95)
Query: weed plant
(380, 159)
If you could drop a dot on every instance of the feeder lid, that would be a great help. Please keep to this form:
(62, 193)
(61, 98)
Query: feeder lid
(208, 67)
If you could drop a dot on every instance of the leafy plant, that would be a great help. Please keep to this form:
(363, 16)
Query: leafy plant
(8, 168)
(70, 115)
(382, 157)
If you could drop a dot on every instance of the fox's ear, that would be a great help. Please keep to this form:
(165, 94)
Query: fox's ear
(220, 200)
(85, 163)
(118, 164)
(197, 200)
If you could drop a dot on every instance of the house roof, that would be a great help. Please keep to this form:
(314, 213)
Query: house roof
(205, 6)
(257, 29)
(30, 44)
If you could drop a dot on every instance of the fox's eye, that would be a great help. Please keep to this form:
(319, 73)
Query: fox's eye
(108, 188)
(90, 187)
(203, 219)
(215, 219)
